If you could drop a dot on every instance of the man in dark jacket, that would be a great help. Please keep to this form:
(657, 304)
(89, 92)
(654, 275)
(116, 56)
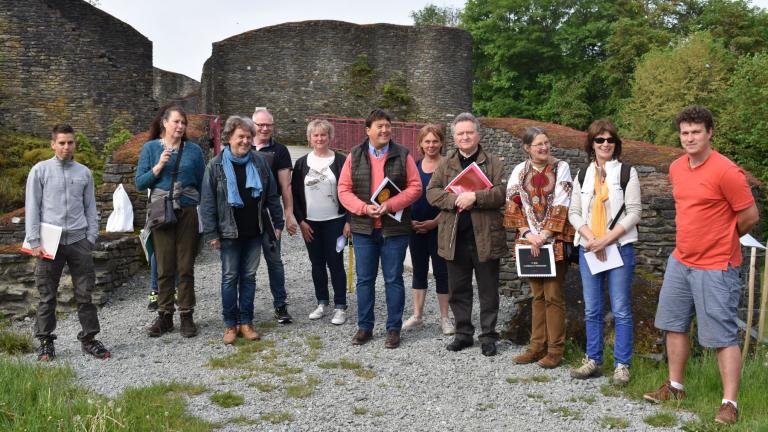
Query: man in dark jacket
(470, 235)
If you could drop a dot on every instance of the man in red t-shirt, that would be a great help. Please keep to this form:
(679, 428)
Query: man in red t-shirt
(714, 207)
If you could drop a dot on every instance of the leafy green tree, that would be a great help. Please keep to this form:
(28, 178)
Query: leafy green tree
(742, 128)
(436, 15)
(742, 28)
(567, 103)
(666, 80)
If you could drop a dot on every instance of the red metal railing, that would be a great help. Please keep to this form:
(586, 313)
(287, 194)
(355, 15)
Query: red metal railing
(348, 132)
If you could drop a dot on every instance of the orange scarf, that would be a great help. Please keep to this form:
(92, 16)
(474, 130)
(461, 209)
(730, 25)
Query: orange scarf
(599, 220)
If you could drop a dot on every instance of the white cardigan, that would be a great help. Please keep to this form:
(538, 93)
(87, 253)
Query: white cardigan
(580, 212)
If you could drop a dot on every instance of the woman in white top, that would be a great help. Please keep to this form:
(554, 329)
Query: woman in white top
(321, 217)
(605, 215)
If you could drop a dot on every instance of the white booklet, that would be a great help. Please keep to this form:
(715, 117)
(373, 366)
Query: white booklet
(49, 240)
(386, 190)
(612, 260)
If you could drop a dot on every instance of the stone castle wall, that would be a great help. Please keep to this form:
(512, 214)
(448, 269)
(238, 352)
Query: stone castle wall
(337, 68)
(65, 61)
(174, 87)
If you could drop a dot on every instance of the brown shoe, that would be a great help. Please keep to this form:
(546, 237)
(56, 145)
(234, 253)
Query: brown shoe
(230, 334)
(247, 331)
(162, 324)
(187, 326)
(529, 356)
(361, 337)
(393, 339)
(550, 361)
(728, 414)
(665, 393)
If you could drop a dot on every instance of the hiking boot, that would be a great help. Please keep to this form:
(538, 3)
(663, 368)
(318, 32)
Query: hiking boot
(459, 344)
(665, 393)
(230, 334)
(412, 322)
(162, 324)
(95, 348)
(550, 361)
(282, 316)
(589, 369)
(361, 337)
(393, 339)
(446, 325)
(46, 352)
(339, 317)
(247, 331)
(318, 312)
(621, 374)
(152, 306)
(728, 414)
(529, 356)
(488, 349)
(187, 327)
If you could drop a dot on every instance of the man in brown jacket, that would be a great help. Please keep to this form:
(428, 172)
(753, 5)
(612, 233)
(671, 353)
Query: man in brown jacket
(470, 235)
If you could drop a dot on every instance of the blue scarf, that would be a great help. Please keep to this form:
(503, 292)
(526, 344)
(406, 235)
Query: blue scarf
(252, 179)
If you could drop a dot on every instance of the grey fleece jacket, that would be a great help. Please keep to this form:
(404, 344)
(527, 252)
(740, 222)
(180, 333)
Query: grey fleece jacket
(61, 192)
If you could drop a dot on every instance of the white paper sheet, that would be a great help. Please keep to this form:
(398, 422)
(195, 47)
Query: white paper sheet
(49, 240)
(612, 260)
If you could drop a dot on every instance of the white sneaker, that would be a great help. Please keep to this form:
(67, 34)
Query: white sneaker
(339, 317)
(317, 313)
(412, 322)
(447, 325)
(621, 374)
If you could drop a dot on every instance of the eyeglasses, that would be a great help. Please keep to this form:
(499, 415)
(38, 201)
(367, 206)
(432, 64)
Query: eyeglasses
(264, 125)
(600, 140)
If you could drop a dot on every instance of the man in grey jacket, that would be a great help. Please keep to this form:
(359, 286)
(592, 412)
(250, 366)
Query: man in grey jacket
(60, 192)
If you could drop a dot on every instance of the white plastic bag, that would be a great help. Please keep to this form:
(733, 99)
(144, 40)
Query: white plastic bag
(121, 218)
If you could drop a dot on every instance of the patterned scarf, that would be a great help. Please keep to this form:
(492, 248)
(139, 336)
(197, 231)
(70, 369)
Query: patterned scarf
(599, 219)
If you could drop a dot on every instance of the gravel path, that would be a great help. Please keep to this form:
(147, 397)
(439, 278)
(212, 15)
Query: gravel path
(419, 386)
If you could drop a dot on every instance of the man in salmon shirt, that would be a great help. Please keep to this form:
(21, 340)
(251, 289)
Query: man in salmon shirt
(714, 207)
(375, 234)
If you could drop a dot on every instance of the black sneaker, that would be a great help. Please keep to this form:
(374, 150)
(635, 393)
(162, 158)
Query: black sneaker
(96, 349)
(46, 352)
(152, 301)
(282, 316)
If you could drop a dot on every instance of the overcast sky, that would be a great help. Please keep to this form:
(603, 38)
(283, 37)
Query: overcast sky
(182, 31)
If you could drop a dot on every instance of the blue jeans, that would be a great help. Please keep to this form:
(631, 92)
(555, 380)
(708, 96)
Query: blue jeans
(619, 281)
(322, 252)
(271, 250)
(239, 261)
(391, 250)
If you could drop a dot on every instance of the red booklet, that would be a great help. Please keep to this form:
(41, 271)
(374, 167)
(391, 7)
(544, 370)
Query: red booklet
(472, 179)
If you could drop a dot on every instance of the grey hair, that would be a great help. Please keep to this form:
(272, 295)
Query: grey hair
(258, 110)
(234, 122)
(530, 133)
(320, 124)
(463, 117)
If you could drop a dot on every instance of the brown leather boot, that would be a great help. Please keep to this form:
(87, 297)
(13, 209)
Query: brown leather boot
(529, 356)
(550, 361)
(162, 324)
(247, 331)
(187, 327)
(230, 334)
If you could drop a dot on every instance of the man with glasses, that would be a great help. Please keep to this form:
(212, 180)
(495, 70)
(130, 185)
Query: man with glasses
(280, 161)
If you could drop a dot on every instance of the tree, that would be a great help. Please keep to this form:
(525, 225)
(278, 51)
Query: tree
(741, 28)
(742, 128)
(567, 103)
(436, 15)
(695, 71)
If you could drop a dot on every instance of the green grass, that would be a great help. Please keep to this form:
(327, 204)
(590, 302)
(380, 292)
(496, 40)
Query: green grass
(360, 411)
(314, 342)
(328, 365)
(566, 412)
(538, 396)
(264, 387)
(266, 324)
(534, 378)
(277, 417)
(662, 419)
(541, 378)
(243, 420)
(346, 363)
(39, 398)
(13, 343)
(302, 390)
(513, 380)
(589, 400)
(610, 422)
(610, 391)
(365, 373)
(227, 399)
(486, 406)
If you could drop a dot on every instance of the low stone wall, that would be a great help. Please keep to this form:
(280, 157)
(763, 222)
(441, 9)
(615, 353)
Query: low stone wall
(116, 259)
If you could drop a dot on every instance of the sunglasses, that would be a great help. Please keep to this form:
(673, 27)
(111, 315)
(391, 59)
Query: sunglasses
(600, 140)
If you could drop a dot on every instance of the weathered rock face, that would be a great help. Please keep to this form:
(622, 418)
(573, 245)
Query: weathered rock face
(65, 61)
(337, 68)
(116, 259)
(174, 87)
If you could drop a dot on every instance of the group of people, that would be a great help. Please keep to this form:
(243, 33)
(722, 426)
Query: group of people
(235, 202)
